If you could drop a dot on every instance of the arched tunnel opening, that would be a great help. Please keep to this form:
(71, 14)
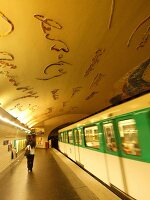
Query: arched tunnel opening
(53, 135)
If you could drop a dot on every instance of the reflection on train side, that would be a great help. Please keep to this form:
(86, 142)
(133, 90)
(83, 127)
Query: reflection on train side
(110, 137)
(92, 137)
(78, 137)
(129, 136)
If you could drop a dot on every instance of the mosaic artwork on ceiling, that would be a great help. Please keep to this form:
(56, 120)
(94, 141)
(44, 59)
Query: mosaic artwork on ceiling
(6, 58)
(47, 25)
(24, 89)
(75, 91)
(11, 78)
(30, 95)
(60, 63)
(64, 104)
(96, 80)
(7, 28)
(91, 95)
(59, 46)
(60, 71)
(11, 26)
(29, 92)
(55, 94)
(137, 82)
(111, 13)
(95, 61)
(33, 108)
(49, 112)
(23, 108)
(17, 106)
(146, 36)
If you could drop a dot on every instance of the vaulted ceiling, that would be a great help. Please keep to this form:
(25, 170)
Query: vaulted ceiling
(62, 60)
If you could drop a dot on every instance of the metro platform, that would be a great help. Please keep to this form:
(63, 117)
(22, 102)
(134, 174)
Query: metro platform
(54, 177)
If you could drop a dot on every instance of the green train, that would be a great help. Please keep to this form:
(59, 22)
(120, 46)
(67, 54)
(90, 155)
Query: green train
(114, 146)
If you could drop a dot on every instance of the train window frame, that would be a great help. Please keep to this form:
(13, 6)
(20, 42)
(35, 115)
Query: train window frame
(65, 137)
(61, 136)
(111, 141)
(70, 139)
(91, 143)
(78, 140)
(133, 148)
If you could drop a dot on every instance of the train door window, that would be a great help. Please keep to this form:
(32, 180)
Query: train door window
(70, 138)
(66, 137)
(78, 137)
(61, 137)
(129, 137)
(110, 137)
(92, 137)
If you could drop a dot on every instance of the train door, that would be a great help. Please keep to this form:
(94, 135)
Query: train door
(78, 144)
(65, 142)
(113, 159)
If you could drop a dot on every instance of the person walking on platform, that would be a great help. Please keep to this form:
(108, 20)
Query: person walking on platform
(30, 156)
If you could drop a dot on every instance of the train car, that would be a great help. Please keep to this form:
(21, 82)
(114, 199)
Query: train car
(114, 146)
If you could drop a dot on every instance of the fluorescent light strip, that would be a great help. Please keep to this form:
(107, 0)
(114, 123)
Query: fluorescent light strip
(14, 124)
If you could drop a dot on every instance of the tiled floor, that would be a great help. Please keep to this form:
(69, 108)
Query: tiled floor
(53, 178)
(83, 183)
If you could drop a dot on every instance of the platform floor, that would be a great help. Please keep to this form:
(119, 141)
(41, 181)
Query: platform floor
(54, 177)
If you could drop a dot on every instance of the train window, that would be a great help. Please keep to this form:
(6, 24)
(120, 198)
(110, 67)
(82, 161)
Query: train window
(66, 137)
(92, 137)
(78, 137)
(61, 137)
(110, 137)
(129, 137)
(70, 138)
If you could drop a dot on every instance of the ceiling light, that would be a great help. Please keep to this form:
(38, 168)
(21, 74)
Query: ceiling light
(14, 124)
